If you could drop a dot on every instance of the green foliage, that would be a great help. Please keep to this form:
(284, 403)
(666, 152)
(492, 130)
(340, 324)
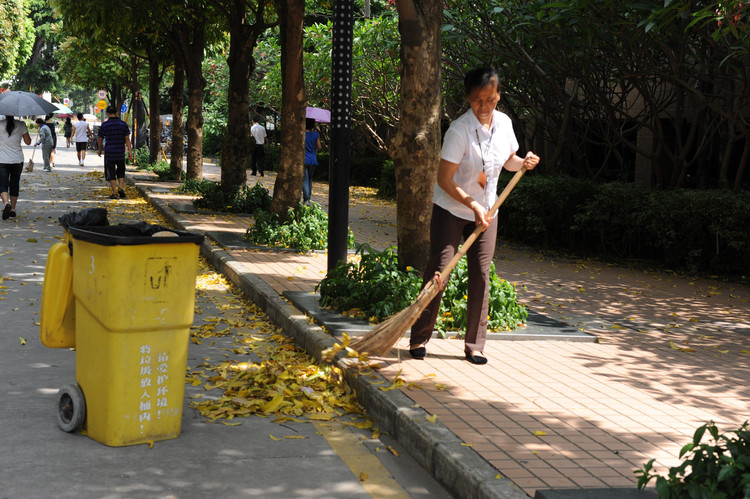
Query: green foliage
(304, 229)
(375, 85)
(242, 200)
(717, 469)
(141, 158)
(695, 230)
(16, 36)
(505, 313)
(195, 186)
(377, 287)
(387, 181)
(38, 73)
(163, 170)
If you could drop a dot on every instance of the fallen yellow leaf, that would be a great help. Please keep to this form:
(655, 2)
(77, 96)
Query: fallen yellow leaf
(362, 476)
(540, 433)
(431, 418)
(273, 438)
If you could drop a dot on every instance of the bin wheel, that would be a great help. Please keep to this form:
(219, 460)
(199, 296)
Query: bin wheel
(71, 408)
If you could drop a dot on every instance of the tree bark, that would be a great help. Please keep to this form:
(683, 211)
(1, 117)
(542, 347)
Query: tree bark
(191, 43)
(154, 122)
(243, 38)
(178, 135)
(288, 185)
(416, 146)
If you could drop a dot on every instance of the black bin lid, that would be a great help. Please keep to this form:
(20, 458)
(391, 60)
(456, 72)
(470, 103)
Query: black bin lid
(131, 234)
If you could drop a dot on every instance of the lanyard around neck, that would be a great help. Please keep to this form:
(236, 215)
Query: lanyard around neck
(489, 144)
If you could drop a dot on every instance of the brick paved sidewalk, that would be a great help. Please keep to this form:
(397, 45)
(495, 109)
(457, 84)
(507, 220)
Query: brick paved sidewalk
(673, 353)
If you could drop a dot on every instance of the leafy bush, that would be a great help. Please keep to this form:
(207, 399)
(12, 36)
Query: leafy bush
(195, 186)
(695, 230)
(387, 181)
(718, 469)
(243, 200)
(379, 289)
(163, 170)
(305, 229)
(375, 285)
(140, 158)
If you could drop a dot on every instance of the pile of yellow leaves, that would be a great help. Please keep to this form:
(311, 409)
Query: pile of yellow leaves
(284, 381)
(288, 383)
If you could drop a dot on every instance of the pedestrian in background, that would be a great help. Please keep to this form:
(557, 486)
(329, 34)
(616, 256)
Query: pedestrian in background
(49, 120)
(11, 162)
(68, 131)
(312, 145)
(45, 140)
(82, 135)
(117, 135)
(259, 134)
(478, 145)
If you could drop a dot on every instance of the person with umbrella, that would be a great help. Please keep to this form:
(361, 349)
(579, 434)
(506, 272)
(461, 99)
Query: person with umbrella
(11, 162)
(312, 145)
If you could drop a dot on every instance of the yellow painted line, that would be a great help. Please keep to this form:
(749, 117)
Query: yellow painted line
(359, 459)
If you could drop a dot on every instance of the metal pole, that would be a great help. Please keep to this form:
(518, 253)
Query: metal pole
(341, 97)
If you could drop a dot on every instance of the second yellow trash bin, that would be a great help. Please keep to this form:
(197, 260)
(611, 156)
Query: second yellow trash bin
(134, 292)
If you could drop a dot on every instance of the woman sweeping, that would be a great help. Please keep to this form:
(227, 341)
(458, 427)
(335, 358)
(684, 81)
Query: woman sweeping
(476, 147)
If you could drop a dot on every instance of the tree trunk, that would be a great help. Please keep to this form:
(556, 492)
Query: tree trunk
(191, 44)
(154, 122)
(178, 135)
(288, 185)
(237, 147)
(416, 146)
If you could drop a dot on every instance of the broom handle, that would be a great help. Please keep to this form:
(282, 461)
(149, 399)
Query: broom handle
(470, 240)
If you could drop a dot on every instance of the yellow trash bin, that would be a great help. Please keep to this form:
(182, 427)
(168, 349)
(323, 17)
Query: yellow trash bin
(134, 295)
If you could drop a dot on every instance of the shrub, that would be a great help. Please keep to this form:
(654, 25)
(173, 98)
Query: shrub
(378, 289)
(305, 229)
(718, 469)
(387, 181)
(195, 186)
(242, 200)
(140, 158)
(375, 285)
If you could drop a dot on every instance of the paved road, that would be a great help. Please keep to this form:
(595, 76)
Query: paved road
(252, 459)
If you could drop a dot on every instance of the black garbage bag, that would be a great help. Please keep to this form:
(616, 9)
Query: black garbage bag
(88, 217)
(134, 234)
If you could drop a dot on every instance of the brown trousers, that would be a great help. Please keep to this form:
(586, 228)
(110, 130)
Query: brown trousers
(446, 232)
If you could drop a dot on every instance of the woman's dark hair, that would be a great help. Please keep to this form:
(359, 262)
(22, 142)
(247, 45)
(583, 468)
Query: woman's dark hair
(39, 121)
(10, 124)
(309, 123)
(480, 77)
(79, 116)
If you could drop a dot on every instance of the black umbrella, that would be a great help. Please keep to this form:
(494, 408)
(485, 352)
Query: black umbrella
(17, 103)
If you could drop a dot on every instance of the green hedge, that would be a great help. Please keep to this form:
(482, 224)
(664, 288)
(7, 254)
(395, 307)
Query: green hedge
(694, 230)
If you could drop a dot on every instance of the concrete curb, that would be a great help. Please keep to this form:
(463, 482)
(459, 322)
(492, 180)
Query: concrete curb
(460, 469)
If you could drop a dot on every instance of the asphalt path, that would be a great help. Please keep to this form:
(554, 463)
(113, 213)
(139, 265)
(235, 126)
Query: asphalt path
(256, 458)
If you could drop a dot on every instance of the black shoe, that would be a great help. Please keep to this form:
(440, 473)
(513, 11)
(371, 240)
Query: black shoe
(12, 214)
(6, 211)
(113, 196)
(418, 353)
(121, 193)
(476, 359)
